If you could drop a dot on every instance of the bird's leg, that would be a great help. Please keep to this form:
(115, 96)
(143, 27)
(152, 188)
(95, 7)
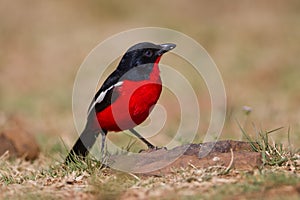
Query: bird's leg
(103, 134)
(150, 146)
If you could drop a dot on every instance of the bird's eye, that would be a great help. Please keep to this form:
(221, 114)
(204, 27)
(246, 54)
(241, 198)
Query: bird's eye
(148, 53)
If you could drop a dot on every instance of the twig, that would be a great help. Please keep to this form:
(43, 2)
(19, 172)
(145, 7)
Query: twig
(230, 164)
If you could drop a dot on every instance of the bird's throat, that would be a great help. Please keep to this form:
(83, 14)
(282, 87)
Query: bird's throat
(155, 73)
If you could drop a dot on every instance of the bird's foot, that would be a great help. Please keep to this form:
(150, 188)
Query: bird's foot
(152, 149)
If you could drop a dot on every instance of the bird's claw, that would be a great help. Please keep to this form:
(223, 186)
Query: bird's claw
(152, 149)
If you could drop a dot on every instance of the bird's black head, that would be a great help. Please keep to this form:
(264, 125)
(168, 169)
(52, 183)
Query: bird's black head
(142, 54)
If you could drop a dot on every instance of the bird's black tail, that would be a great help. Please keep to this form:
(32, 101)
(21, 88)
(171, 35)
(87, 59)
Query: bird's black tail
(82, 146)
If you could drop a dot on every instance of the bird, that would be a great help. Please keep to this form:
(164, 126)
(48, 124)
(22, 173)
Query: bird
(125, 98)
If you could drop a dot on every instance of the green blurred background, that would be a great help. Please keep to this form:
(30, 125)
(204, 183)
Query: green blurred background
(254, 43)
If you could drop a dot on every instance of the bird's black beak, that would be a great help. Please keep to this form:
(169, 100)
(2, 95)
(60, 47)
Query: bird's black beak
(165, 48)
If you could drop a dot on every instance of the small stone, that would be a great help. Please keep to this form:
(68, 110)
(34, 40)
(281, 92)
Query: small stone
(19, 143)
(216, 159)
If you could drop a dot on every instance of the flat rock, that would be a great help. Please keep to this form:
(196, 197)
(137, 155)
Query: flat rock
(204, 155)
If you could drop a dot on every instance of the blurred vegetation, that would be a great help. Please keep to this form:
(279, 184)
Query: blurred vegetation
(254, 43)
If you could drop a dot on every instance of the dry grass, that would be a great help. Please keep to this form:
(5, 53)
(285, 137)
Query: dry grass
(25, 180)
(47, 179)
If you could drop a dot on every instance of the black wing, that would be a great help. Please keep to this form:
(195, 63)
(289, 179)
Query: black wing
(106, 95)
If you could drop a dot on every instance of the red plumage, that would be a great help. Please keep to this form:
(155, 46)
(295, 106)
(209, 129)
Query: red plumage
(134, 104)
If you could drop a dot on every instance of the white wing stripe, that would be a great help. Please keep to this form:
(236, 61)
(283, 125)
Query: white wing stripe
(102, 95)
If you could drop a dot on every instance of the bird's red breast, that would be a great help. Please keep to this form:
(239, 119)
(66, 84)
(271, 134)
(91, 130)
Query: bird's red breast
(134, 103)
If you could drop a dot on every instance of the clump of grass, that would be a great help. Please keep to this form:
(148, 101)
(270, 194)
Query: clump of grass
(15, 171)
(273, 154)
(88, 164)
(78, 163)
